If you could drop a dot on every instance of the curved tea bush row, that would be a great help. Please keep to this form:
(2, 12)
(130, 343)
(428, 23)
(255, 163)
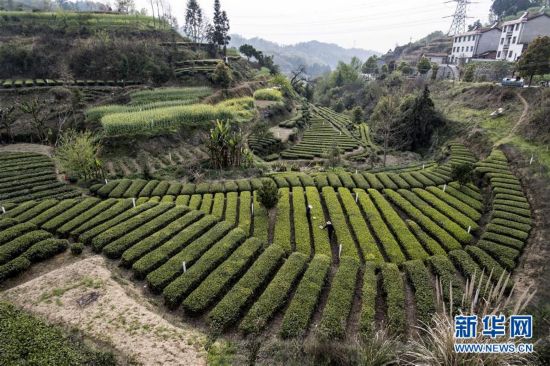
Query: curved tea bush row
(230, 308)
(302, 306)
(275, 295)
(301, 224)
(368, 305)
(445, 272)
(30, 176)
(337, 217)
(177, 290)
(282, 233)
(333, 322)
(320, 236)
(393, 289)
(366, 241)
(419, 278)
(215, 285)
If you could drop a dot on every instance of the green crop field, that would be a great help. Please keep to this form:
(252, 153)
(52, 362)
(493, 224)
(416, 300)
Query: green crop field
(253, 273)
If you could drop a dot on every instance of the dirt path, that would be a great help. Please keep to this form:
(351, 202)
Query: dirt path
(522, 119)
(115, 314)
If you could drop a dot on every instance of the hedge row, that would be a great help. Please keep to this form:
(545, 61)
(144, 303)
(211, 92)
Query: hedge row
(487, 262)
(115, 249)
(177, 290)
(111, 219)
(366, 241)
(87, 223)
(245, 219)
(282, 231)
(450, 212)
(410, 245)
(444, 270)
(261, 220)
(443, 237)
(504, 255)
(115, 232)
(231, 209)
(52, 212)
(445, 222)
(206, 203)
(381, 231)
(18, 245)
(56, 222)
(275, 295)
(166, 273)
(419, 278)
(338, 220)
(230, 308)
(218, 207)
(471, 211)
(333, 322)
(83, 217)
(320, 236)
(430, 245)
(161, 254)
(368, 304)
(220, 280)
(29, 210)
(15, 231)
(393, 289)
(39, 251)
(305, 299)
(301, 224)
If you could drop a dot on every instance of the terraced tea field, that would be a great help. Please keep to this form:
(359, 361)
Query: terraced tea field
(213, 251)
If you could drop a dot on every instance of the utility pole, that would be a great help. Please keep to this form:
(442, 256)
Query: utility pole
(459, 17)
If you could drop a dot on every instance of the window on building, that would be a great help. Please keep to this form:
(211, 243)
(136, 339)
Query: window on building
(502, 41)
(462, 50)
(498, 54)
(517, 26)
(514, 40)
(510, 54)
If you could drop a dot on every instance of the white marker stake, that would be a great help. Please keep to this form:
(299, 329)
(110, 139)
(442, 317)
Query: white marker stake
(3, 210)
(184, 267)
(134, 202)
(355, 171)
(531, 161)
(170, 156)
(106, 181)
(356, 197)
(469, 229)
(423, 166)
(252, 208)
(339, 251)
(444, 188)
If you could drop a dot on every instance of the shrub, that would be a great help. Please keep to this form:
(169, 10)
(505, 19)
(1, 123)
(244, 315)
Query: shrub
(166, 273)
(301, 224)
(431, 245)
(268, 194)
(268, 94)
(261, 223)
(77, 248)
(86, 223)
(19, 244)
(368, 306)
(56, 222)
(245, 220)
(304, 301)
(338, 220)
(232, 201)
(419, 278)
(160, 255)
(187, 282)
(320, 236)
(275, 295)
(282, 234)
(229, 309)
(394, 291)
(340, 299)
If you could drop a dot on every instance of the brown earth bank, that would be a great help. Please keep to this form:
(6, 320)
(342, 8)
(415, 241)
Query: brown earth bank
(87, 296)
(534, 267)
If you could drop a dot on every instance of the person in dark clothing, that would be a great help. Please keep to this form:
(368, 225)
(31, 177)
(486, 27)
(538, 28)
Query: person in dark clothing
(330, 229)
(308, 212)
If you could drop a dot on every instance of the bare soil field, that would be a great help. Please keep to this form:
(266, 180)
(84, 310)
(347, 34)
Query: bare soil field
(85, 295)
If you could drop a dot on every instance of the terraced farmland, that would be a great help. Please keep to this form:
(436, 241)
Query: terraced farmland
(28, 176)
(245, 270)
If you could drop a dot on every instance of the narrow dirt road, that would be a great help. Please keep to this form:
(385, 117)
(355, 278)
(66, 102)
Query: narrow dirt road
(522, 119)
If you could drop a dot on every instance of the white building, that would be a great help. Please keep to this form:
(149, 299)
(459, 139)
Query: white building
(479, 43)
(517, 34)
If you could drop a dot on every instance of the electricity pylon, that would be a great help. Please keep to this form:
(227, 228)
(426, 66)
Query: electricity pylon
(459, 17)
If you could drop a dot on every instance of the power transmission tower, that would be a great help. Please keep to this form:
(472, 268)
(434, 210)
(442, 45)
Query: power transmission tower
(459, 17)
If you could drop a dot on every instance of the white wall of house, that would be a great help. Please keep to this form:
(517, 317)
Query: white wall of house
(463, 47)
(517, 34)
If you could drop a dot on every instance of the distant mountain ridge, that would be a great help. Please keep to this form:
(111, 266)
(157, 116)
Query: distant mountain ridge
(319, 57)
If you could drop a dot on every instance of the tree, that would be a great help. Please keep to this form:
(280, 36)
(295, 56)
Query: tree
(268, 194)
(219, 34)
(249, 51)
(475, 25)
(536, 59)
(435, 69)
(223, 75)
(193, 20)
(298, 76)
(405, 68)
(357, 115)
(385, 123)
(371, 65)
(424, 65)
(7, 120)
(503, 8)
(77, 154)
(125, 6)
(35, 108)
(462, 173)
